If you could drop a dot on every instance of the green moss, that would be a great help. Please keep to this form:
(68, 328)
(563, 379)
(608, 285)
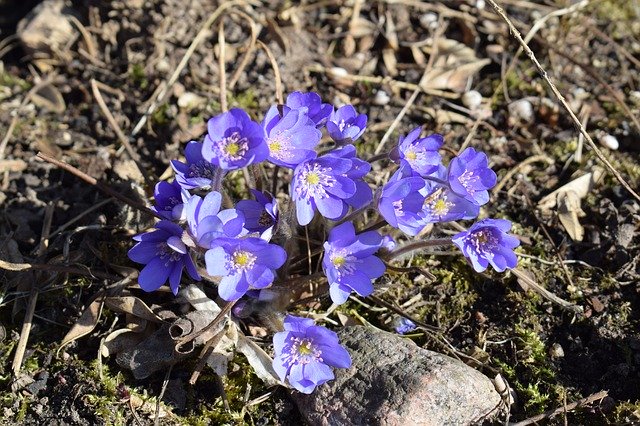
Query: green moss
(246, 100)
(8, 80)
(138, 76)
(160, 116)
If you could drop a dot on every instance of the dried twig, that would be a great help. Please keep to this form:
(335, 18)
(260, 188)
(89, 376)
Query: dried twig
(276, 71)
(561, 99)
(221, 66)
(101, 186)
(568, 407)
(247, 55)
(202, 34)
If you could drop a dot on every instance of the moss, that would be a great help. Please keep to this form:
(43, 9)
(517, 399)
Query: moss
(8, 80)
(627, 412)
(246, 100)
(160, 116)
(138, 76)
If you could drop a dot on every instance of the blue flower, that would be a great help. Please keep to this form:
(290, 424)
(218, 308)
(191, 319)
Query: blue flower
(441, 204)
(330, 184)
(421, 154)
(207, 222)
(196, 172)
(169, 200)
(243, 264)
(401, 201)
(488, 243)
(260, 215)
(165, 255)
(316, 110)
(345, 125)
(349, 262)
(404, 325)
(304, 353)
(470, 176)
(292, 137)
(234, 141)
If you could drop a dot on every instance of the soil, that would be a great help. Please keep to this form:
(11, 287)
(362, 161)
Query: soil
(549, 355)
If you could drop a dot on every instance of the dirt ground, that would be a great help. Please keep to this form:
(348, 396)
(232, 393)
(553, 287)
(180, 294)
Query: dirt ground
(96, 92)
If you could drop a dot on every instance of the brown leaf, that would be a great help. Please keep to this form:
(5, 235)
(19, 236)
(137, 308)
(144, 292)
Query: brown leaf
(568, 212)
(132, 305)
(87, 321)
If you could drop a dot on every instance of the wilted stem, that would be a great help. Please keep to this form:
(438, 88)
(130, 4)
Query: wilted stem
(417, 245)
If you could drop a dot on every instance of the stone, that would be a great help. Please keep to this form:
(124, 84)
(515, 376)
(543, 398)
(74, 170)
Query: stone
(393, 382)
(46, 29)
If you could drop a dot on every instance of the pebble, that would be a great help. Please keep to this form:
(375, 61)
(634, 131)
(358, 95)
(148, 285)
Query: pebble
(394, 382)
(610, 141)
(521, 110)
(556, 351)
(472, 99)
(381, 98)
(429, 21)
(46, 29)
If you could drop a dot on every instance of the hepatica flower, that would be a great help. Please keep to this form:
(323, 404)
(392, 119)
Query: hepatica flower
(234, 141)
(404, 325)
(169, 200)
(345, 125)
(488, 243)
(260, 215)
(316, 110)
(165, 255)
(330, 184)
(349, 262)
(470, 176)
(243, 264)
(401, 201)
(421, 154)
(292, 137)
(196, 172)
(441, 204)
(305, 353)
(207, 222)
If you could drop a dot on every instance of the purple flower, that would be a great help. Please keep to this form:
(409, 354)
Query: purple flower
(316, 110)
(304, 353)
(243, 264)
(404, 325)
(487, 243)
(197, 172)
(292, 137)
(164, 254)
(401, 201)
(470, 176)
(260, 215)
(349, 262)
(234, 141)
(169, 200)
(330, 184)
(345, 125)
(441, 204)
(421, 154)
(207, 223)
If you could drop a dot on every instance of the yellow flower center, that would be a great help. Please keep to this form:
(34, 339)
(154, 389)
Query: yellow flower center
(274, 146)
(338, 261)
(411, 155)
(232, 148)
(241, 258)
(441, 207)
(312, 178)
(305, 348)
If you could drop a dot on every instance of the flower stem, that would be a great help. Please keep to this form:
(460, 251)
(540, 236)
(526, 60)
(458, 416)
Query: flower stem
(377, 157)
(417, 245)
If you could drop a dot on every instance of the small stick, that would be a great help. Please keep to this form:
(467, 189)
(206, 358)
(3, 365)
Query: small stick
(190, 337)
(276, 72)
(252, 45)
(562, 100)
(568, 407)
(202, 34)
(101, 186)
(165, 382)
(417, 245)
(415, 93)
(221, 67)
(402, 313)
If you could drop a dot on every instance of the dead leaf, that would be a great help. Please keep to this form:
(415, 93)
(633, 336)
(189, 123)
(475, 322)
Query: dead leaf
(119, 340)
(581, 186)
(50, 98)
(87, 321)
(132, 305)
(390, 61)
(454, 65)
(569, 211)
(258, 359)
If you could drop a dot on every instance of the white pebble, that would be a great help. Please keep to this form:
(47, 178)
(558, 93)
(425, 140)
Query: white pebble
(635, 97)
(338, 72)
(521, 110)
(480, 4)
(472, 99)
(381, 98)
(610, 141)
(429, 21)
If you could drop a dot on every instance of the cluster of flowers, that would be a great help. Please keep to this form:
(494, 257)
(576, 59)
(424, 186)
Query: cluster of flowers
(237, 243)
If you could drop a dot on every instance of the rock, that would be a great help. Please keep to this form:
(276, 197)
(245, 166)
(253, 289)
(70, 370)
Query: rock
(381, 98)
(521, 111)
(46, 29)
(394, 382)
(472, 99)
